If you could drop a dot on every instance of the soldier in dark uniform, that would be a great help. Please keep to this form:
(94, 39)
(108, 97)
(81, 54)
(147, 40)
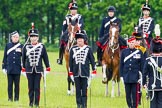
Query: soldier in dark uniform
(138, 45)
(64, 36)
(104, 33)
(152, 74)
(80, 57)
(131, 63)
(147, 24)
(12, 65)
(33, 54)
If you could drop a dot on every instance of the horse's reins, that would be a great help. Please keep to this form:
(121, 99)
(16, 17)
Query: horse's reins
(71, 39)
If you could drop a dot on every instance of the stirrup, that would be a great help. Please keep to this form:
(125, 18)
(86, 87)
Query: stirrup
(59, 61)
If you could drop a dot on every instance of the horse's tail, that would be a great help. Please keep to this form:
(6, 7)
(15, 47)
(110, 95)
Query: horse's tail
(109, 73)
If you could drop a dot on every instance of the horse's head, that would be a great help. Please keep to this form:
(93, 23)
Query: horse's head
(72, 28)
(113, 35)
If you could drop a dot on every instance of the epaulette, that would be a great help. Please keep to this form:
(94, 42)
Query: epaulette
(69, 15)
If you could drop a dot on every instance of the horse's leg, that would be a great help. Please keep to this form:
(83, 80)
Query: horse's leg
(104, 73)
(106, 90)
(68, 78)
(118, 88)
(112, 90)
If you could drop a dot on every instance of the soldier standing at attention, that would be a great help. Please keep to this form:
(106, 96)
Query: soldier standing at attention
(33, 54)
(81, 56)
(131, 63)
(12, 65)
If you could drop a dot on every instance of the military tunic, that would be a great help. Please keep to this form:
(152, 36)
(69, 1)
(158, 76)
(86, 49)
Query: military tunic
(12, 64)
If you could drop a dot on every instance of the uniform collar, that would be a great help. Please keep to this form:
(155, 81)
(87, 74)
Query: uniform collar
(15, 43)
(111, 17)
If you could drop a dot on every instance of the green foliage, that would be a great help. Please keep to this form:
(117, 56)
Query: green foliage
(48, 16)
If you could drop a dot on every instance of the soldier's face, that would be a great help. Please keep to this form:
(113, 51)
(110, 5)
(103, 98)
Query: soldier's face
(80, 41)
(15, 38)
(146, 12)
(138, 42)
(34, 39)
(111, 13)
(73, 11)
(131, 44)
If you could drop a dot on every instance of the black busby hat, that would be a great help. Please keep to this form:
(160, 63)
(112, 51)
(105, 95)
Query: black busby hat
(138, 36)
(111, 8)
(146, 7)
(33, 32)
(14, 33)
(73, 6)
(156, 45)
(80, 34)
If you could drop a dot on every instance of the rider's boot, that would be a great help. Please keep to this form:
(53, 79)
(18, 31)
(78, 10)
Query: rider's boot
(99, 56)
(61, 52)
(122, 43)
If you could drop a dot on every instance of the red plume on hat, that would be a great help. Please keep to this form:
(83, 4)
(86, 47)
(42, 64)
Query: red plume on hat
(33, 31)
(132, 38)
(70, 5)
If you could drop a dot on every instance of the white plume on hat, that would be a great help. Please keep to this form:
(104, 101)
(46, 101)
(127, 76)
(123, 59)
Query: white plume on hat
(157, 30)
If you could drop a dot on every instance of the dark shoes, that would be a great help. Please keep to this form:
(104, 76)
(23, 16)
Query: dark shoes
(35, 106)
(10, 99)
(59, 61)
(16, 99)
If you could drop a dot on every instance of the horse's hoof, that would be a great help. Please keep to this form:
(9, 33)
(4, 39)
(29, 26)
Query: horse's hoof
(68, 92)
(104, 81)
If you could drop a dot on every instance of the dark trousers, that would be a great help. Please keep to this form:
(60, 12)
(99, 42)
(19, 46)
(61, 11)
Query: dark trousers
(81, 91)
(157, 100)
(34, 87)
(131, 92)
(13, 79)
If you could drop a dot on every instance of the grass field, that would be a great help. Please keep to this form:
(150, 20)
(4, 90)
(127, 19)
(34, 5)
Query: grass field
(56, 91)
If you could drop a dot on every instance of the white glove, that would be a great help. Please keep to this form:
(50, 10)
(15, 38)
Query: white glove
(23, 73)
(89, 82)
(4, 71)
(121, 78)
(45, 73)
(72, 77)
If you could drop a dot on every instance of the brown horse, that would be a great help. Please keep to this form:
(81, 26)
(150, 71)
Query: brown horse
(72, 29)
(111, 58)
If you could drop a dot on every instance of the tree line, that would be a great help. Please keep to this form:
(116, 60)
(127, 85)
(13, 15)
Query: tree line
(48, 16)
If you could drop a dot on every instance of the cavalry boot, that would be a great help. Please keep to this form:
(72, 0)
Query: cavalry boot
(122, 43)
(61, 52)
(99, 56)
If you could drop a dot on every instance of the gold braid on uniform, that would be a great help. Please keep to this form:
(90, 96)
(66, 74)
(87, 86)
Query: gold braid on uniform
(143, 49)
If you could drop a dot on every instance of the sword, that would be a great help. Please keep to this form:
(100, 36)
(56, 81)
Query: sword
(44, 84)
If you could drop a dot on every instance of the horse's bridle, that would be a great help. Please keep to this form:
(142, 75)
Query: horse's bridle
(112, 45)
(71, 40)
